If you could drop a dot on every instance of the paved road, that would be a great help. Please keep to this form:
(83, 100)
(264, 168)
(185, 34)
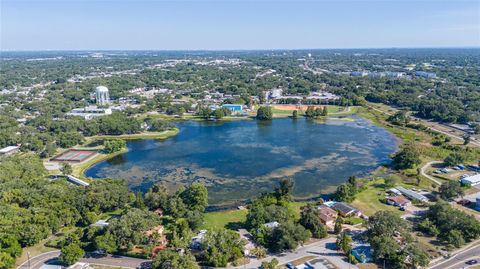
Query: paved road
(37, 261)
(458, 260)
(422, 172)
(110, 260)
(317, 249)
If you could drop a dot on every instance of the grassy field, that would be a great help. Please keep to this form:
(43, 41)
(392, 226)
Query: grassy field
(234, 219)
(231, 219)
(368, 200)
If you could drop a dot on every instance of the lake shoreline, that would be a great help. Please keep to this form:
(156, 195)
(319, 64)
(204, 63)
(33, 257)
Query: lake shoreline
(235, 200)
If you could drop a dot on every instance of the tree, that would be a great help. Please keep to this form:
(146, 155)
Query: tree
(106, 242)
(417, 256)
(221, 247)
(325, 111)
(269, 265)
(310, 219)
(295, 114)
(454, 158)
(451, 189)
(114, 145)
(264, 113)
(285, 189)
(195, 197)
(66, 169)
(344, 243)
(466, 139)
(287, 235)
(407, 158)
(338, 225)
(6, 260)
(71, 253)
(259, 252)
(218, 113)
(454, 238)
(170, 259)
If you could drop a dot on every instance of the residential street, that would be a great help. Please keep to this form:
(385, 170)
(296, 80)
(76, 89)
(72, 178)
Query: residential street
(318, 249)
(458, 260)
(110, 260)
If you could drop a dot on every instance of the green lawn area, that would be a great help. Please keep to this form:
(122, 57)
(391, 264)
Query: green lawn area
(368, 201)
(232, 219)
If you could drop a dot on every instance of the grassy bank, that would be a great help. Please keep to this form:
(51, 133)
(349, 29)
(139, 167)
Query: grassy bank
(79, 169)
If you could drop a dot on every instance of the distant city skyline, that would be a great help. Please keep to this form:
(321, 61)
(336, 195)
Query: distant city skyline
(237, 25)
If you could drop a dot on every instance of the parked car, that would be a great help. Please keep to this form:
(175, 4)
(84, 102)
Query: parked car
(472, 262)
(464, 202)
(290, 266)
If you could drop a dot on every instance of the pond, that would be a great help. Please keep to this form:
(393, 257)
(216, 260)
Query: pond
(238, 160)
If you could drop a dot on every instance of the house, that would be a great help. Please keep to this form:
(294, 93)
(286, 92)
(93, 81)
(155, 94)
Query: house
(397, 200)
(9, 150)
(89, 112)
(101, 223)
(346, 210)
(327, 215)
(271, 225)
(411, 194)
(471, 180)
(198, 239)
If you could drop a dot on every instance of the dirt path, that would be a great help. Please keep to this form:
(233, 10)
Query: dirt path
(422, 172)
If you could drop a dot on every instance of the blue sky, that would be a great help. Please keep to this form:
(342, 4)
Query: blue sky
(228, 24)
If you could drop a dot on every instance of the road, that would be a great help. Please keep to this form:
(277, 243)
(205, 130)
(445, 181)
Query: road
(458, 260)
(422, 172)
(317, 249)
(109, 260)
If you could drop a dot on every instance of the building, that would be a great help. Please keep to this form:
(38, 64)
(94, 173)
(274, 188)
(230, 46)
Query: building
(471, 180)
(77, 181)
(346, 210)
(89, 112)
(327, 215)
(233, 108)
(198, 239)
(101, 96)
(411, 194)
(398, 200)
(9, 150)
(271, 225)
(101, 223)
(424, 74)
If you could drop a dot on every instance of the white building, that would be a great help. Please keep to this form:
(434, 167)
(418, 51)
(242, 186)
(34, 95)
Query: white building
(9, 150)
(101, 96)
(89, 112)
(471, 180)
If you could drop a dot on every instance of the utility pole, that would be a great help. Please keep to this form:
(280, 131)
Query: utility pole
(28, 255)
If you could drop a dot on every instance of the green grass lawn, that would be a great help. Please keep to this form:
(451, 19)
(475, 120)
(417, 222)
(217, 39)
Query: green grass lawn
(232, 219)
(368, 200)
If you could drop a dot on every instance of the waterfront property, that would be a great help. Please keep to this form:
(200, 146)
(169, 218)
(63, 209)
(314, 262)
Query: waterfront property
(238, 160)
(412, 194)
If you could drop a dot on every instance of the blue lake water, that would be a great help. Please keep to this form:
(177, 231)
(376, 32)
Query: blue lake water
(238, 160)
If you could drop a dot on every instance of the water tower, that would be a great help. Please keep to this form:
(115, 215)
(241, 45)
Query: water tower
(101, 96)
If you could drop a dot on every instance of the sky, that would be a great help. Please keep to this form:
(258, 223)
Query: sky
(232, 25)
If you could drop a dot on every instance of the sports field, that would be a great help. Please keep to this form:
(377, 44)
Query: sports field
(74, 155)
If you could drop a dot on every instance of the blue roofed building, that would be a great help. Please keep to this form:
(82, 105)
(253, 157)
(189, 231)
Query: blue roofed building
(233, 107)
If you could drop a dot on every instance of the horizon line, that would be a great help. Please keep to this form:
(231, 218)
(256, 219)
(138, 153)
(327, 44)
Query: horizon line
(257, 49)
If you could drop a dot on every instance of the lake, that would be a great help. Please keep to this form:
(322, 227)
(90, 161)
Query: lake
(240, 159)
